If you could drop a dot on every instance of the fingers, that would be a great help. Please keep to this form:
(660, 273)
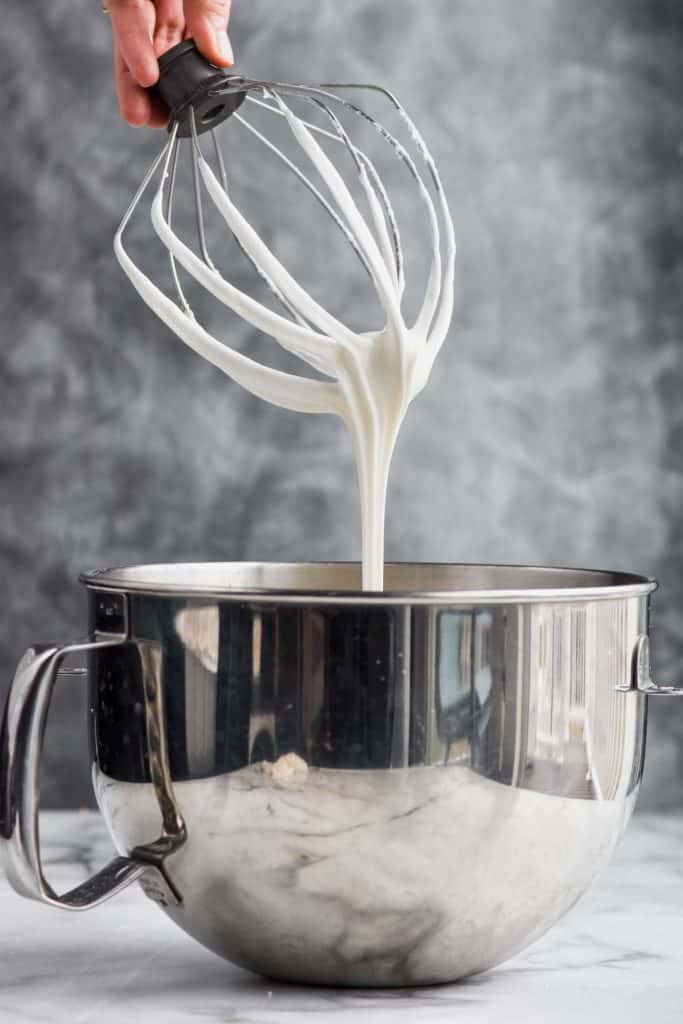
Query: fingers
(170, 25)
(143, 30)
(135, 103)
(168, 30)
(135, 53)
(158, 117)
(133, 26)
(207, 23)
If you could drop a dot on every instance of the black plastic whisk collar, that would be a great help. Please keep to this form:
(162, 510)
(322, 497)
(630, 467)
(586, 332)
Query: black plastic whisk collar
(188, 82)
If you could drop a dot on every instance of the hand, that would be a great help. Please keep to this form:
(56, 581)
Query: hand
(144, 29)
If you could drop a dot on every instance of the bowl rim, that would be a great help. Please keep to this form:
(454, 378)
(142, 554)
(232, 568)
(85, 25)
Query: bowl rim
(157, 579)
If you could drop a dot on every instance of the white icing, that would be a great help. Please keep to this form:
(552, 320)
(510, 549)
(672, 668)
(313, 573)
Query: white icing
(374, 374)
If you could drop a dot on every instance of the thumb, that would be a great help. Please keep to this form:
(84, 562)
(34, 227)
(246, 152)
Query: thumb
(207, 24)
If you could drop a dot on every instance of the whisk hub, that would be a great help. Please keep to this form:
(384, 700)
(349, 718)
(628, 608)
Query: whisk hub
(188, 82)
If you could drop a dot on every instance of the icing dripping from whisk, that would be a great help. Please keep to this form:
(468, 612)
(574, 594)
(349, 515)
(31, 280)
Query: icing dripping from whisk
(373, 376)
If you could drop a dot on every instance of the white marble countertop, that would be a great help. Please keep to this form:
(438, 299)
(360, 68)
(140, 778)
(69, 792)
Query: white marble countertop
(618, 956)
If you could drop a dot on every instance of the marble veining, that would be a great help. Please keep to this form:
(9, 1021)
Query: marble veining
(617, 956)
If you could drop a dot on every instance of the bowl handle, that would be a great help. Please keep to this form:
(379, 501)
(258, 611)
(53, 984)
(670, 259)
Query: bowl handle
(21, 741)
(641, 674)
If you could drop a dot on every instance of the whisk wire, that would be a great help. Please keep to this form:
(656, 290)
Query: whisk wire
(196, 153)
(262, 256)
(329, 209)
(308, 331)
(380, 213)
(259, 270)
(439, 327)
(175, 145)
(365, 159)
(339, 191)
(434, 289)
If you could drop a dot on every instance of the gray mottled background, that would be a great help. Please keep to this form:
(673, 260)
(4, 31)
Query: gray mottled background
(553, 429)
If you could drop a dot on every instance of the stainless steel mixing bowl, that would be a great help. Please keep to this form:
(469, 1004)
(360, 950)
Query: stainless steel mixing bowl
(349, 788)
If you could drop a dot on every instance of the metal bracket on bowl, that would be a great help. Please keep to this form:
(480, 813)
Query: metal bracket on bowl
(21, 740)
(641, 674)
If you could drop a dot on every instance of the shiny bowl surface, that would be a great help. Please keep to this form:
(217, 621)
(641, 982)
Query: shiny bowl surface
(391, 788)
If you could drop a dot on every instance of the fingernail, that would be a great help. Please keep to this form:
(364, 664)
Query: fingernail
(224, 48)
